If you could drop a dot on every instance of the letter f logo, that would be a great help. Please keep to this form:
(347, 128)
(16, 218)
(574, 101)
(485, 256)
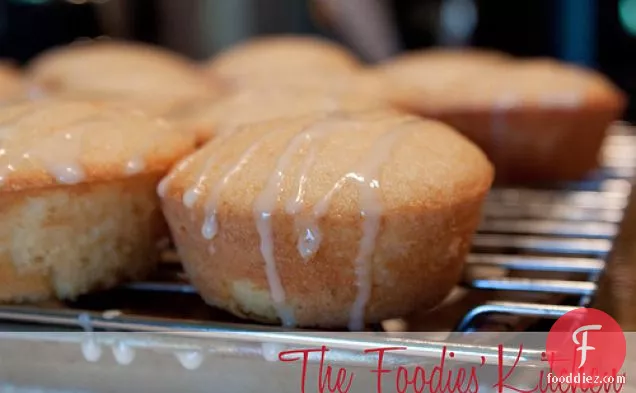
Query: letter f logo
(583, 347)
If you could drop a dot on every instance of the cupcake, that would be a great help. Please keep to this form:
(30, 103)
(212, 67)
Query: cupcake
(141, 75)
(11, 83)
(268, 60)
(538, 120)
(417, 81)
(77, 197)
(208, 119)
(328, 221)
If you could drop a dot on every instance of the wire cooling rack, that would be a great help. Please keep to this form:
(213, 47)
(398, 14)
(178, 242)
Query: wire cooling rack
(538, 254)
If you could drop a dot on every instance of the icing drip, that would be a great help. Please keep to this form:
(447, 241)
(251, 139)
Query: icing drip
(366, 175)
(309, 236)
(190, 360)
(91, 350)
(263, 209)
(163, 185)
(58, 149)
(62, 166)
(4, 172)
(123, 354)
(5, 133)
(192, 194)
(371, 208)
(271, 351)
(567, 99)
(210, 226)
(135, 166)
(58, 152)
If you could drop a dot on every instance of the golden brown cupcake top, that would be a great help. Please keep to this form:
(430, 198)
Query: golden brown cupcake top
(49, 143)
(436, 81)
(266, 59)
(340, 163)
(118, 68)
(222, 116)
(427, 74)
(541, 83)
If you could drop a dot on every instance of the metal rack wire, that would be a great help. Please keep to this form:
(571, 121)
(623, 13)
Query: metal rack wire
(548, 245)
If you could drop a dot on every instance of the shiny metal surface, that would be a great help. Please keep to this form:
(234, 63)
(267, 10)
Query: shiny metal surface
(554, 243)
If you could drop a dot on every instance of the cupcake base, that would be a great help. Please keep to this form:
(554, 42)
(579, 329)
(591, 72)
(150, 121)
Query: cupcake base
(70, 240)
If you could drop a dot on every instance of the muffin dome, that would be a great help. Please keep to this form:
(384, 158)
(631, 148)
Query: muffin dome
(329, 221)
(77, 197)
(63, 142)
(415, 81)
(538, 120)
(224, 115)
(258, 61)
(111, 69)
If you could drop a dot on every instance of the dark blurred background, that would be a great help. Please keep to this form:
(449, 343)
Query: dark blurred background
(594, 33)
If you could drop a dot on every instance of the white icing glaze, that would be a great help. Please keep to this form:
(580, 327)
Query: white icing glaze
(295, 204)
(367, 178)
(64, 167)
(371, 210)
(263, 208)
(123, 353)
(164, 184)
(60, 149)
(366, 175)
(5, 133)
(135, 165)
(60, 152)
(192, 194)
(190, 360)
(90, 349)
(210, 226)
(4, 172)
(566, 99)
(309, 237)
(271, 351)
(507, 101)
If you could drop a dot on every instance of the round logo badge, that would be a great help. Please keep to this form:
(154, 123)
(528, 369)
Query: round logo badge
(586, 347)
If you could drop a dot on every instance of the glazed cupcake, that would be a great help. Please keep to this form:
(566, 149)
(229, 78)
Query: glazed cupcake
(77, 197)
(265, 61)
(538, 120)
(137, 74)
(213, 118)
(328, 221)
